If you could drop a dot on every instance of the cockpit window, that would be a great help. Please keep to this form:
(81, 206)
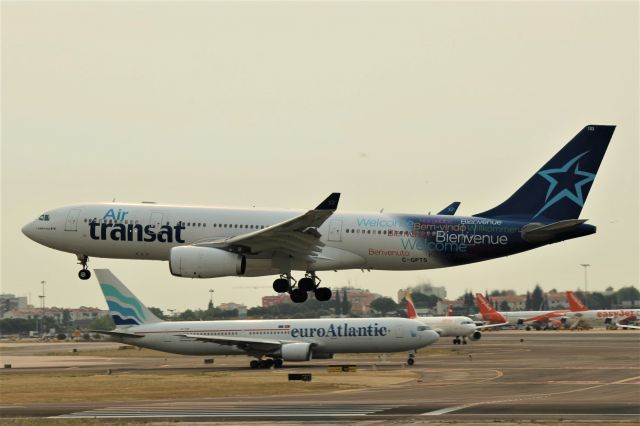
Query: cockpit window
(44, 217)
(423, 328)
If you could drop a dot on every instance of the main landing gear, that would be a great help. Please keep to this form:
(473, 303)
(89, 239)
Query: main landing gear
(298, 290)
(458, 341)
(84, 273)
(266, 363)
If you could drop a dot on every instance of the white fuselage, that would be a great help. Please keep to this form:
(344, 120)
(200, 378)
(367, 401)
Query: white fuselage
(599, 317)
(450, 326)
(149, 231)
(326, 336)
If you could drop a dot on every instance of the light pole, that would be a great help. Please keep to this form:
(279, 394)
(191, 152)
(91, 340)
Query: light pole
(586, 289)
(42, 306)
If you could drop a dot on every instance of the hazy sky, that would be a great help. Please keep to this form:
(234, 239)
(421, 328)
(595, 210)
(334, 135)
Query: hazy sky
(401, 106)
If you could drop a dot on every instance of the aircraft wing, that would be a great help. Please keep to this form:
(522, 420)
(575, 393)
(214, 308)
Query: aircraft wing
(621, 325)
(480, 327)
(244, 343)
(115, 333)
(544, 317)
(297, 237)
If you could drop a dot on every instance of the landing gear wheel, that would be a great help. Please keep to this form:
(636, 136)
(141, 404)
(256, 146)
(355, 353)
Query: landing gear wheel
(281, 285)
(277, 362)
(464, 341)
(306, 284)
(298, 296)
(254, 364)
(411, 361)
(84, 273)
(322, 294)
(268, 363)
(456, 341)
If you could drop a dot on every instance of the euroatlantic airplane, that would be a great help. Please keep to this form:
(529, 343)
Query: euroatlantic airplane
(276, 340)
(209, 242)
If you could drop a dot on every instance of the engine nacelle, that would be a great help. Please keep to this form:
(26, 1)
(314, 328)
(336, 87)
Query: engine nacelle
(205, 262)
(296, 351)
(476, 335)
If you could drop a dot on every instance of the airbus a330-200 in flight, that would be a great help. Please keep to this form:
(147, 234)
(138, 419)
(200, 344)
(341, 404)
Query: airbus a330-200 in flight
(209, 242)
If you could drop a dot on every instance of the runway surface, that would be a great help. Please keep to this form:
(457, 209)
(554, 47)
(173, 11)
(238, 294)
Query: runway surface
(550, 375)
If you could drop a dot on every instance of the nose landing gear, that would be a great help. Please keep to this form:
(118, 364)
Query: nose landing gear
(84, 273)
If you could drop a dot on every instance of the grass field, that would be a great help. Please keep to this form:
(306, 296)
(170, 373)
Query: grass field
(20, 388)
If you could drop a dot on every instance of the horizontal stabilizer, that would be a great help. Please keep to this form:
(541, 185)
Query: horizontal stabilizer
(538, 232)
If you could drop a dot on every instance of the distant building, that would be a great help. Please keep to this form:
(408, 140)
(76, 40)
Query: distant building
(10, 302)
(427, 289)
(78, 316)
(442, 307)
(242, 309)
(515, 302)
(557, 300)
(277, 299)
(360, 299)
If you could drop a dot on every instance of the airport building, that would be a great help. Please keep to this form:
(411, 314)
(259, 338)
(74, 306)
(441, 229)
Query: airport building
(360, 299)
(230, 306)
(79, 316)
(10, 302)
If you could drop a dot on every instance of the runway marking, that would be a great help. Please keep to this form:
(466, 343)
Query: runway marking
(447, 410)
(522, 398)
(144, 411)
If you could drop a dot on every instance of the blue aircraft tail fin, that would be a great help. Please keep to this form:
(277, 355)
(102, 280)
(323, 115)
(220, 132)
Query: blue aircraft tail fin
(560, 188)
(451, 209)
(124, 306)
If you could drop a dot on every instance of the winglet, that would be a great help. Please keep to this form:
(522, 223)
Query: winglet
(330, 203)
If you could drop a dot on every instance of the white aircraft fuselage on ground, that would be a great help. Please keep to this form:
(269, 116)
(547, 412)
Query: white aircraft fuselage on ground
(279, 339)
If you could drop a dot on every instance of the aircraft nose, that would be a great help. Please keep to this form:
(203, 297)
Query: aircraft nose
(28, 230)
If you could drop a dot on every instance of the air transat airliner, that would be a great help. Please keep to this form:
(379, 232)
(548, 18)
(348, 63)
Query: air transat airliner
(274, 340)
(209, 242)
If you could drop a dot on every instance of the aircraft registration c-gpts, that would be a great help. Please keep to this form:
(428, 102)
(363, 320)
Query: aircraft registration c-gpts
(209, 242)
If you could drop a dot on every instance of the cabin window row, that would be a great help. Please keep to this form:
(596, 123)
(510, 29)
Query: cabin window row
(187, 224)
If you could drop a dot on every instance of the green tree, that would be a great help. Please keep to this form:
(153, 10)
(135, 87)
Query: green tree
(104, 322)
(384, 305)
(537, 298)
(338, 304)
(504, 306)
(158, 312)
(346, 304)
(626, 294)
(527, 302)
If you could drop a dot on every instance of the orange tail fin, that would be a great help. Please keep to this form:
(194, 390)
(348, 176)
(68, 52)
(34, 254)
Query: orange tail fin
(411, 310)
(487, 310)
(574, 303)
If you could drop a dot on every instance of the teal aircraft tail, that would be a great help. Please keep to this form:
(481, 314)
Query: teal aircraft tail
(124, 306)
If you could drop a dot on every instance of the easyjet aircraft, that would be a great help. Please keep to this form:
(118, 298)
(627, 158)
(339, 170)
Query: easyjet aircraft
(209, 242)
(606, 317)
(535, 319)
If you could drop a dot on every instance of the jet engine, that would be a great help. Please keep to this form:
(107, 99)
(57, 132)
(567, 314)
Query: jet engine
(296, 351)
(205, 262)
(476, 335)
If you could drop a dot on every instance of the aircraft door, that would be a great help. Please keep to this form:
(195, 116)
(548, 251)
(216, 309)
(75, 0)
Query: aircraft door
(72, 220)
(335, 230)
(398, 332)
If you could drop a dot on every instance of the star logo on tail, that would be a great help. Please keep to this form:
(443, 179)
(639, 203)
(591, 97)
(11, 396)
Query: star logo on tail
(566, 182)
